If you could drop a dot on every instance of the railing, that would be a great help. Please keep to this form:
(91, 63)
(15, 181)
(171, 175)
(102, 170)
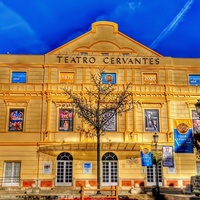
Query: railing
(136, 88)
(114, 193)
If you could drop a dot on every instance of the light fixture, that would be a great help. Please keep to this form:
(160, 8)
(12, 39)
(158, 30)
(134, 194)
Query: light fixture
(197, 105)
(155, 138)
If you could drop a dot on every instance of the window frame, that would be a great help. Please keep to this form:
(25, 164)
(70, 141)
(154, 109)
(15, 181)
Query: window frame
(69, 126)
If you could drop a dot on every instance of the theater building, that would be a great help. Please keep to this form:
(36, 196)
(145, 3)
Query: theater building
(39, 140)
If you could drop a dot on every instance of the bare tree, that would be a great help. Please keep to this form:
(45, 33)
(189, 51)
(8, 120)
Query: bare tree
(97, 105)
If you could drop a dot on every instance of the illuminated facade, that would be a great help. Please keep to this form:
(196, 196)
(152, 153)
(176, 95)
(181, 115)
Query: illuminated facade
(39, 141)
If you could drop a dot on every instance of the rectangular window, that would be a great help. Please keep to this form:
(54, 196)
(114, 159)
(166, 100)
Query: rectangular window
(194, 79)
(110, 120)
(195, 121)
(198, 168)
(66, 77)
(11, 175)
(16, 120)
(109, 78)
(66, 120)
(18, 77)
(152, 120)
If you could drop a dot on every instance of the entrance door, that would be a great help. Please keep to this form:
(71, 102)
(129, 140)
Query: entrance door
(11, 174)
(109, 169)
(151, 175)
(64, 170)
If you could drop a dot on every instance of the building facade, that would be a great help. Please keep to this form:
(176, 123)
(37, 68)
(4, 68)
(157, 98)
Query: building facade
(40, 143)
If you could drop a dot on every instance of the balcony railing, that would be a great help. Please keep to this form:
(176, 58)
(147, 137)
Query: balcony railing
(35, 89)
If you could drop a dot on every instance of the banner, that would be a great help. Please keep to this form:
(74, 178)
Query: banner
(146, 155)
(183, 142)
(167, 156)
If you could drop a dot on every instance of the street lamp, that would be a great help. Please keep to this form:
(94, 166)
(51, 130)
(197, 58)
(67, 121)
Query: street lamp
(157, 188)
(197, 105)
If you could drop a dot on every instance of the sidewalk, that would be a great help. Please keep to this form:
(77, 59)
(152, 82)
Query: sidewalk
(131, 197)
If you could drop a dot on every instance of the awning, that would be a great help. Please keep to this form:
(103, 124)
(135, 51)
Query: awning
(92, 146)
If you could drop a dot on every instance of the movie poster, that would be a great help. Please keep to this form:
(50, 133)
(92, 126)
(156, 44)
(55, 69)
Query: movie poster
(47, 168)
(16, 120)
(87, 168)
(167, 156)
(195, 122)
(66, 119)
(152, 120)
(111, 121)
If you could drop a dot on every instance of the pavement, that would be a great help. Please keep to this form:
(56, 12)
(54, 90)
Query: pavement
(147, 196)
(131, 197)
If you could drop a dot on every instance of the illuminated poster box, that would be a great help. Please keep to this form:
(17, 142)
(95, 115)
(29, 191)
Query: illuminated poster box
(194, 79)
(18, 77)
(87, 168)
(152, 120)
(108, 78)
(66, 119)
(16, 120)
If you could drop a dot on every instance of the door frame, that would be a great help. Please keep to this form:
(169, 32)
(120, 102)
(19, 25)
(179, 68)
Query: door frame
(160, 175)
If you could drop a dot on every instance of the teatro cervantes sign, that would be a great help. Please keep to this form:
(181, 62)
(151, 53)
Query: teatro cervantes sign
(107, 60)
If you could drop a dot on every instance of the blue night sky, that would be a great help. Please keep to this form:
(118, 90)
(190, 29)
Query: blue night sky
(169, 27)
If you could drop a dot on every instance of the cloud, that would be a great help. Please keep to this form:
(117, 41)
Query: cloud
(172, 25)
(15, 30)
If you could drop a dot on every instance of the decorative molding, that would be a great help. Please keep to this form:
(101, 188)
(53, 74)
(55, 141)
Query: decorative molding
(62, 104)
(131, 160)
(18, 103)
(190, 104)
(151, 104)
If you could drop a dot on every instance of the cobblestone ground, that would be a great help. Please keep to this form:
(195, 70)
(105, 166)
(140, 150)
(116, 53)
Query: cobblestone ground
(131, 197)
(140, 197)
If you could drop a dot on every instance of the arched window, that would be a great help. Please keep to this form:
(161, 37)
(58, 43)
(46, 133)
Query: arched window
(109, 169)
(65, 156)
(109, 156)
(64, 169)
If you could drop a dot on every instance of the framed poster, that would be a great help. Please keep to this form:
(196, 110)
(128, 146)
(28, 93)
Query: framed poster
(16, 120)
(66, 119)
(18, 77)
(109, 78)
(47, 167)
(195, 122)
(167, 156)
(110, 121)
(152, 120)
(87, 168)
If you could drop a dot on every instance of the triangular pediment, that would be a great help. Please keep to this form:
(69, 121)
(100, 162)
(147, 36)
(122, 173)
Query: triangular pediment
(104, 37)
